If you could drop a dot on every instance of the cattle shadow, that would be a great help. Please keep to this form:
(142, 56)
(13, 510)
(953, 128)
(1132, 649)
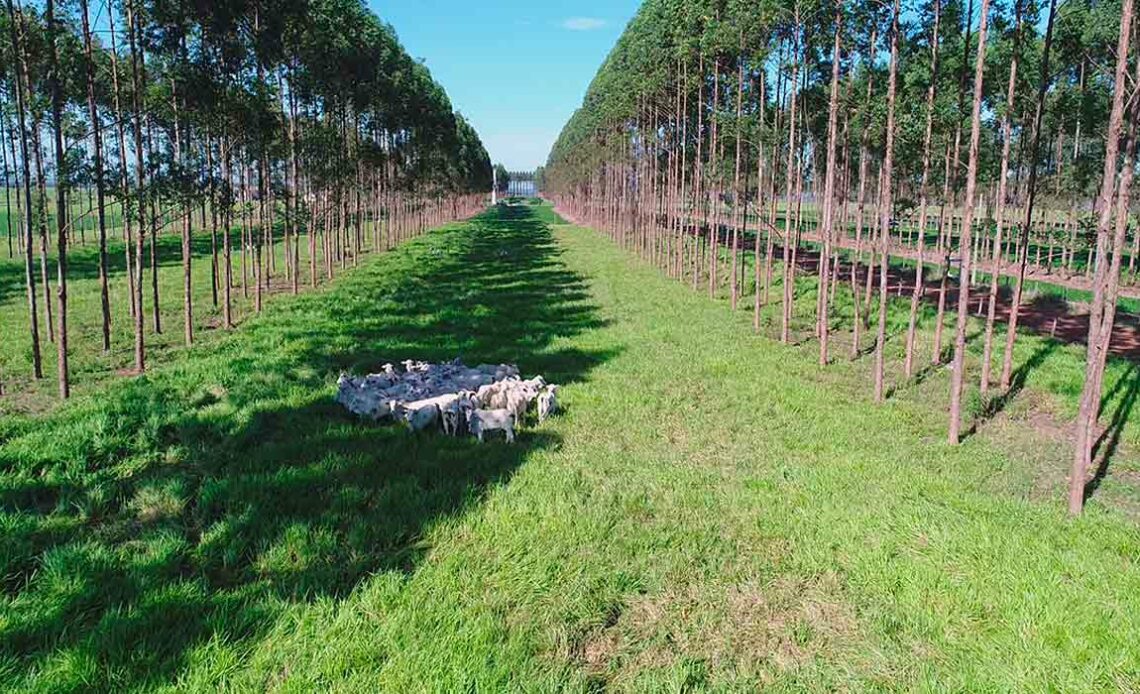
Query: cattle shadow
(196, 505)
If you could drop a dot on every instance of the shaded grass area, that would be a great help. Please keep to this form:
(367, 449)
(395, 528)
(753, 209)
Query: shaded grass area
(713, 511)
(190, 509)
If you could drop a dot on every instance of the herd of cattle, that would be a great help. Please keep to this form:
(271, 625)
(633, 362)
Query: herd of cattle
(457, 399)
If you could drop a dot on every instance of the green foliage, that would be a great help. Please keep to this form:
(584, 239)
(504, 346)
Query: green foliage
(672, 46)
(232, 73)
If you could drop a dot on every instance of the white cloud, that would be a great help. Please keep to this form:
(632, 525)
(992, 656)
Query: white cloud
(583, 24)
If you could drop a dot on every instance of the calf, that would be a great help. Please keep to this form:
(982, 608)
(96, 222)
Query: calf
(442, 403)
(417, 419)
(547, 403)
(479, 422)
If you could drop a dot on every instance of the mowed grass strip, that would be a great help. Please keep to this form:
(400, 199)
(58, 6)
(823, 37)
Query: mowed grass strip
(712, 510)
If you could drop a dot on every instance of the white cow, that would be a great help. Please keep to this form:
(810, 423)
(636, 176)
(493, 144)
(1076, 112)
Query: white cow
(479, 422)
(417, 419)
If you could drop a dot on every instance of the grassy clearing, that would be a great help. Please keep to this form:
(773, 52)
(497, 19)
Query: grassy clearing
(713, 510)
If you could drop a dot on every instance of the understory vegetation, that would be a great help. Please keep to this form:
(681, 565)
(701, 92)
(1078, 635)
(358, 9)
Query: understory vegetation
(713, 510)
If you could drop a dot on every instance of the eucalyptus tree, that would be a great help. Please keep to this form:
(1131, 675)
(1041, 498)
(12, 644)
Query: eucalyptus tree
(16, 29)
(935, 11)
(957, 377)
(1107, 260)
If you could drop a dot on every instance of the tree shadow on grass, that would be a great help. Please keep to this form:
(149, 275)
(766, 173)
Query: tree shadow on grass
(1105, 448)
(997, 404)
(190, 507)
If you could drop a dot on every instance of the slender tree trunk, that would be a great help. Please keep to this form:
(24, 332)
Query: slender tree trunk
(42, 225)
(1103, 280)
(140, 174)
(187, 285)
(885, 206)
(864, 163)
(713, 217)
(996, 256)
(957, 378)
(756, 303)
(17, 29)
(227, 233)
(826, 230)
(737, 192)
(789, 179)
(1023, 247)
(62, 183)
(124, 178)
(100, 193)
(924, 192)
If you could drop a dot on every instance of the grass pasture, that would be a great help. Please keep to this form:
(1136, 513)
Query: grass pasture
(712, 512)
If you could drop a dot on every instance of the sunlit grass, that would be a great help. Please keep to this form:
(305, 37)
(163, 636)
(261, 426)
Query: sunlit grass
(712, 511)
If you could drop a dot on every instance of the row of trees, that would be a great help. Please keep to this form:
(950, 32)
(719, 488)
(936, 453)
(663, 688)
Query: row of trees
(995, 138)
(297, 134)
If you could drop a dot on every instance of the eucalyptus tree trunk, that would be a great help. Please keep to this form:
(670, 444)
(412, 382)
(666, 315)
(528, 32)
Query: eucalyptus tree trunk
(61, 212)
(829, 191)
(885, 205)
(124, 182)
(945, 224)
(140, 174)
(698, 187)
(291, 199)
(924, 192)
(957, 378)
(713, 218)
(16, 27)
(18, 188)
(789, 180)
(187, 286)
(1123, 201)
(100, 193)
(760, 161)
(1103, 280)
(1023, 246)
(737, 193)
(42, 221)
(211, 199)
(7, 185)
(996, 256)
(139, 57)
(224, 157)
(864, 162)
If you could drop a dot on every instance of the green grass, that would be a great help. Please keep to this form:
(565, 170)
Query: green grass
(1044, 366)
(713, 511)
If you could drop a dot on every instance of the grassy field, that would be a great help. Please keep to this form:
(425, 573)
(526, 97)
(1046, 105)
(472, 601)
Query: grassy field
(713, 511)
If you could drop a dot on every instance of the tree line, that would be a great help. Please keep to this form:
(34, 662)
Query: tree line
(296, 135)
(984, 139)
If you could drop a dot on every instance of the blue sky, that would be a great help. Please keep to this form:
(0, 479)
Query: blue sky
(516, 69)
